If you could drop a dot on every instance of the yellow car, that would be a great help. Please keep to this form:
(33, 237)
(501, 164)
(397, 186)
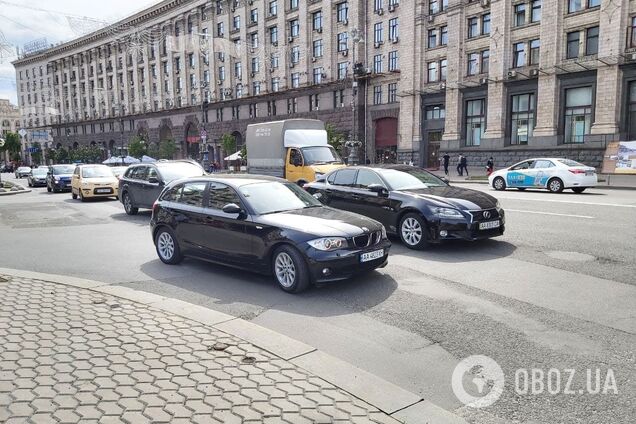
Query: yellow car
(93, 181)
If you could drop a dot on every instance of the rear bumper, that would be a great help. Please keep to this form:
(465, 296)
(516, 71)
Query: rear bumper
(343, 264)
(584, 181)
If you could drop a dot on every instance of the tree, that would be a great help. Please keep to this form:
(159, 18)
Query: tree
(137, 147)
(334, 137)
(61, 155)
(167, 149)
(228, 141)
(12, 144)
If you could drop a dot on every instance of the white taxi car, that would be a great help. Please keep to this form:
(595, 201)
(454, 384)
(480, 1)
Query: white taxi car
(553, 174)
(94, 181)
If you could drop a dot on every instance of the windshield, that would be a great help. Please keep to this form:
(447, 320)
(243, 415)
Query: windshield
(175, 171)
(63, 169)
(273, 197)
(411, 179)
(320, 155)
(96, 172)
(39, 171)
(24, 168)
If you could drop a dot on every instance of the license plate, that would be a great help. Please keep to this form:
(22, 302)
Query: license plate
(103, 190)
(370, 256)
(489, 225)
(589, 173)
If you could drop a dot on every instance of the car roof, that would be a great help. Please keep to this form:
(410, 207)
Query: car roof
(236, 180)
(397, 167)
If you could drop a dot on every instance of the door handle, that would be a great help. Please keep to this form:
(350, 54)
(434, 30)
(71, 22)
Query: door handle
(356, 197)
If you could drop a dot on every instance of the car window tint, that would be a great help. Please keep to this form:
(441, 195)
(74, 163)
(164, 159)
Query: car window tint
(141, 173)
(332, 177)
(570, 162)
(365, 178)
(192, 194)
(152, 172)
(345, 177)
(172, 195)
(524, 165)
(542, 164)
(221, 195)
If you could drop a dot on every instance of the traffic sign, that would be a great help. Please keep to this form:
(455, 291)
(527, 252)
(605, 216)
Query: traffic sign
(22, 132)
(1, 142)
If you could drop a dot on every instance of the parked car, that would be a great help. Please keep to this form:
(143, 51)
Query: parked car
(267, 225)
(93, 181)
(59, 178)
(37, 177)
(141, 184)
(22, 171)
(412, 203)
(553, 174)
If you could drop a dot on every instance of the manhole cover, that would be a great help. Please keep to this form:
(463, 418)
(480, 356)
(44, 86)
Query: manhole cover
(570, 256)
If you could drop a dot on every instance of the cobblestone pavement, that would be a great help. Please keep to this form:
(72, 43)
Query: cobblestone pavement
(70, 355)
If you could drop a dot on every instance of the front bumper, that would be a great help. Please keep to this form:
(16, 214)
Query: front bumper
(36, 183)
(465, 230)
(99, 191)
(62, 185)
(345, 263)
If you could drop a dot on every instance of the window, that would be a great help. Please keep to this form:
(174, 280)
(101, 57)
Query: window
(377, 63)
(172, 195)
(295, 80)
(393, 29)
(345, 177)
(377, 5)
(573, 45)
(520, 14)
(293, 4)
(578, 114)
(295, 54)
(442, 70)
(485, 62)
(633, 33)
(221, 195)
(343, 39)
(338, 99)
(392, 92)
(378, 33)
(275, 84)
(591, 41)
(273, 35)
(577, 5)
(432, 38)
(294, 28)
(435, 112)
(273, 8)
(317, 75)
(443, 38)
(433, 75)
(255, 64)
(316, 21)
(522, 118)
(342, 12)
(475, 121)
(317, 48)
(473, 27)
(536, 11)
(535, 46)
(342, 70)
(192, 194)
(393, 61)
(292, 105)
(236, 23)
(436, 6)
(542, 164)
(377, 95)
(473, 63)
(365, 178)
(485, 24)
(518, 55)
(314, 102)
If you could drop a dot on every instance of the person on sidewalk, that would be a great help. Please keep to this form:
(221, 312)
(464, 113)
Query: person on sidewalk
(459, 165)
(445, 161)
(490, 166)
(463, 163)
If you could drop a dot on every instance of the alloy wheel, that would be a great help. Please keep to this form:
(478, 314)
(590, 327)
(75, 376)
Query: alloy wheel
(285, 270)
(555, 186)
(411, 231)
(165, 246)
(499, 183)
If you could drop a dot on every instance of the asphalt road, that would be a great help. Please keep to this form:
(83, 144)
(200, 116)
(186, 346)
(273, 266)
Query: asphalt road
(556, 292)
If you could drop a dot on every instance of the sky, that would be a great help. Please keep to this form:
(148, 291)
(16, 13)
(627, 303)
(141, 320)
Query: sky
(23, 21)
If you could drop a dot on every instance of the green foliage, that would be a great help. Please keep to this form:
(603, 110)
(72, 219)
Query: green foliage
(334, 138)
(85, 154)
(228, 141)
(137, 147)
(60, 156)
(12, 144)
(167, 149)
(36, 157)
(244, 152)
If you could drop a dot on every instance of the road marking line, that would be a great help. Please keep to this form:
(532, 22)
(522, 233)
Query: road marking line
(550, 213)
(568, 201)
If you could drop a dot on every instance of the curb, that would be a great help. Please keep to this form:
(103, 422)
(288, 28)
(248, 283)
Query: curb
(10, 193)
(394, 401)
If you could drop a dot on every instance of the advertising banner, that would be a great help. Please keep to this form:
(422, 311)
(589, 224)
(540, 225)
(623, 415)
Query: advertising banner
(620, 158)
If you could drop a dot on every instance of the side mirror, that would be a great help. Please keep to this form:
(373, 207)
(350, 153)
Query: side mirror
(232, 208)
(153, 180)
(378, 188)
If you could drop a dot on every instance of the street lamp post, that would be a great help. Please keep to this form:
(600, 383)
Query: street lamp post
(353, 143)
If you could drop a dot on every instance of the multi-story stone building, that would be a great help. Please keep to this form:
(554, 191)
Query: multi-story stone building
(411, 79)
(9, 121)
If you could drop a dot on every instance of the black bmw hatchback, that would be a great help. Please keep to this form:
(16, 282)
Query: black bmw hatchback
(267, 225)
(412, 203)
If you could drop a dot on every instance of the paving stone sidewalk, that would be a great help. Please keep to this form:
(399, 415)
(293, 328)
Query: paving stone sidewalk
(70, 355)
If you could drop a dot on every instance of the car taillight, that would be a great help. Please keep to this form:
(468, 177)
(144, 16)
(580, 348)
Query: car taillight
(577, 171)
(155, 206)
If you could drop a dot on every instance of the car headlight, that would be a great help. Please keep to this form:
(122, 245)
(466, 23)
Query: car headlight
(86, 185)
(384, 236)
(447, 213)
(328, 243)
(498, 205)
(56, 179)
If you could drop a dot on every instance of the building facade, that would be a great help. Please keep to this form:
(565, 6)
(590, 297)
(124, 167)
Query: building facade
(9, 122)
(410, 79)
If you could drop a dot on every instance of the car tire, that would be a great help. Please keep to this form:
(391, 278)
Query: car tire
(555, 185)
(499, 184)
(290, 270)
(129, 207)
(413, 231)
(81, 196)
(73, 195)
(579, 190)
(30, 185)
(167, 246)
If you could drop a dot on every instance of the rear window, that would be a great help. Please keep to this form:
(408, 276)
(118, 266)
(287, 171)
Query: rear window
(174, 171)
(570, 162)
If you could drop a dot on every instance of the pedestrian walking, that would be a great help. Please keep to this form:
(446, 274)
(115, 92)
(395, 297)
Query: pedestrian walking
(463, 165)
(460, 170)
(490, 166)
(445, 161)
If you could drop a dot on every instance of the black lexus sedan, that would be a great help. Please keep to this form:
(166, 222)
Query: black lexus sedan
(412, 203)
(267, 225)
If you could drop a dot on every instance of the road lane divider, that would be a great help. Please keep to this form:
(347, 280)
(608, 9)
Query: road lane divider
(551, 213)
